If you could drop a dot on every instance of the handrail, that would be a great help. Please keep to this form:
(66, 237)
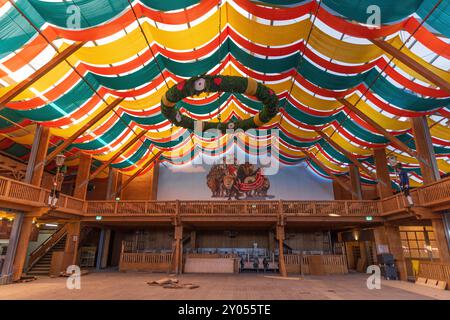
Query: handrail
(46, 246)
(431, 195)
(21, 191)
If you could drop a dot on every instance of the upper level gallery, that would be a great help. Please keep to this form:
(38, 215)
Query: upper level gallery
(16, 195)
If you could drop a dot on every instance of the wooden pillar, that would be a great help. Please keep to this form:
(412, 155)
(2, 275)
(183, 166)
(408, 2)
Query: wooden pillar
(395, 248)
(72, 241)
(36, 163)
(112, 183)
(271, 241)
(381, 242)
(355, 182)
(430, 173)
(154, 181)
(424, 147)
(84, 168)
(22, 247)
(193, 239)
(281, 263)
(178, 254)
(384, 184)
(441, 239)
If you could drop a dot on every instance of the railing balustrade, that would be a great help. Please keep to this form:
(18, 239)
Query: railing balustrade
(429, 195)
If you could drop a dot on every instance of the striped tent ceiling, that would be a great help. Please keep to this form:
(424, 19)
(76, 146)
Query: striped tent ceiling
(311, 53)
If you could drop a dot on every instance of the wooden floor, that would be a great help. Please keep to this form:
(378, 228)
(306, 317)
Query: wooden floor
(115, 285)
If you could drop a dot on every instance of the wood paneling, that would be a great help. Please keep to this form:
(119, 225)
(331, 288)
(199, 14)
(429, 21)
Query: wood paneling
(244, 239)
(143, 187)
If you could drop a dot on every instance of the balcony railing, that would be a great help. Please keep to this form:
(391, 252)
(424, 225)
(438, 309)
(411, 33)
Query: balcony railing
(30, 195)
(242, 207)
(433, 195)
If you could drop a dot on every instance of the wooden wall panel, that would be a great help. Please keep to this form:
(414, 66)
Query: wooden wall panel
(99, 192)
(244, 239)
(142, 187)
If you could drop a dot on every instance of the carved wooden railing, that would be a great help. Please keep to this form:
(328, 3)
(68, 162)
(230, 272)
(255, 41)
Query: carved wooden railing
(130, 208)
(430, 195)
(46, 246)
(332, 264)
(434, 270)
(28, 194)
(243, 207)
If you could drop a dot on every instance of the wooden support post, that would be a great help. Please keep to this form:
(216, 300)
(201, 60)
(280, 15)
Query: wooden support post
(22, 247)
(396, 249)
(71, 247)
(280, 234)
(397, 142)
(193, 239)
(355, 182)
(411, 63)
(117, 154)
(441, 239)
(67, 142)
(84, 168)
(281, 261)
(35, 167)
(25, 84)
(424, 146)
(111, 188)
(178, 236)
(381, 242)
(154, 177)
(385, 188)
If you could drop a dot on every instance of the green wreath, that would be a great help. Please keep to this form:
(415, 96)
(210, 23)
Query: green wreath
(206, 83)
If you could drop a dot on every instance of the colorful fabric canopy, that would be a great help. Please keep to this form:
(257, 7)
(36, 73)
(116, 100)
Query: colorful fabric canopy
(311, 53)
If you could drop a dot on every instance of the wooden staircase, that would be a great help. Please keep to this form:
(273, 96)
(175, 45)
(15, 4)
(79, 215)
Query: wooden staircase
(42, 265)
(41, 258)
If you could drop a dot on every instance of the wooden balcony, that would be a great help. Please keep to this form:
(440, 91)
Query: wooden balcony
(22, 196)
(17, 195)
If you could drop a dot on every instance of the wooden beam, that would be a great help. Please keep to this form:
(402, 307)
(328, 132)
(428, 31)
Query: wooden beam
(424, 145)
(67, 142)
(350, 156)
(385, 188)
(137, 173)
(411, 63)
(328, 171)
(400, 145)
(46, 68)
(84, 168)
(117, 155)
(35, 167)
(355, 182)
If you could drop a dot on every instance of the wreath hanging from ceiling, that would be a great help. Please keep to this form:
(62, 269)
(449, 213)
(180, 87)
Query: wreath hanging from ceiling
(232, 84)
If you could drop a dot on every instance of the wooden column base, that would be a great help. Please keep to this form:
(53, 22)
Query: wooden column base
(281, 262)
(71, 248)
(22, 247)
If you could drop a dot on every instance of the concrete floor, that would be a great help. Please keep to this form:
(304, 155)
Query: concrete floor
(116, 285)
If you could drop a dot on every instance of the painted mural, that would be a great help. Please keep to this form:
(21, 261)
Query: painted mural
(209, 182)
(237, 181)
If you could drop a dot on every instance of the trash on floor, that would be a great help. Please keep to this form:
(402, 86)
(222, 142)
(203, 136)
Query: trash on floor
(171, 283)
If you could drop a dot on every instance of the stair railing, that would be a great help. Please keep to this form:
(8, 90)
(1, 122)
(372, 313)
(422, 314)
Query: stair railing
(46, 246)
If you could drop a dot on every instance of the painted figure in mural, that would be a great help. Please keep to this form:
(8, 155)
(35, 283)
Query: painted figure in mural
(214, 180)
(233, 180)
